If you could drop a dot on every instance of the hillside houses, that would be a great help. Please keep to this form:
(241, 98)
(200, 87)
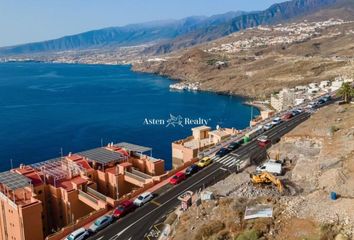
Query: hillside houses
(290, 97)
(277, 35)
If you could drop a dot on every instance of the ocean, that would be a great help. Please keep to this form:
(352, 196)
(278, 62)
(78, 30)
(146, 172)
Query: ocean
(48, 108)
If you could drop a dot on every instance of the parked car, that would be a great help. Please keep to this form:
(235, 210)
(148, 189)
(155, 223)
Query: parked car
(222, 152)
(204, 162)
(312, 105)
(267, 126)
(177, 178)
(234, 145)
(100, 224)
(287, 116)
(124, 208)
(79, 234)
(295, 113)
(143, 199)
(327, 98)
(191, 170)
(263, 141)
(298, 110)
(320, 102)
(276, 121)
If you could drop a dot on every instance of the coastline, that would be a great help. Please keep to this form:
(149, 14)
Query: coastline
(247, 99)
(259, 105)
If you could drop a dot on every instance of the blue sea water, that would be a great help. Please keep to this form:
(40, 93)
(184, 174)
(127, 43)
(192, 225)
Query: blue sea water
(46, 107)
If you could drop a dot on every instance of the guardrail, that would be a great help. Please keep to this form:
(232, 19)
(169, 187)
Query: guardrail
(12, 203)
(87, 196)
(136, 177)
(96, 194)
(140, 174)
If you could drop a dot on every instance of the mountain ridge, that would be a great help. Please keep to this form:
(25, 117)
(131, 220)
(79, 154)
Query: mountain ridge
(161, 37)
(274, 14)
(132, 34)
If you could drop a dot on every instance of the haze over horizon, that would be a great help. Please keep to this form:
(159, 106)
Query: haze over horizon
(27, 21)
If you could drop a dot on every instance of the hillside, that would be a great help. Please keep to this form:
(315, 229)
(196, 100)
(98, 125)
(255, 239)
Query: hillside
(319, 160)
(276, 13)
(129, 35)
(168, 36)
(259, 61)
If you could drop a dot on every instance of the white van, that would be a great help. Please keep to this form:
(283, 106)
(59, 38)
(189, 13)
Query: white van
(270, 166)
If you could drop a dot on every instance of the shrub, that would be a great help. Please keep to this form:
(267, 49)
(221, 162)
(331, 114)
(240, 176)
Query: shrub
(328, 232)
(248, 235)
(209, 229)
(223, 235)
(211, 61)
(333, 129)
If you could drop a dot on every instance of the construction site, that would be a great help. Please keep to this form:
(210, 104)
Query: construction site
(311, 198)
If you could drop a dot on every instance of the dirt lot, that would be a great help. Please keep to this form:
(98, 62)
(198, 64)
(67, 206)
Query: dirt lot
(322, 154)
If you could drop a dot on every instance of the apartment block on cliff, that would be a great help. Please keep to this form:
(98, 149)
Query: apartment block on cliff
(40, 199)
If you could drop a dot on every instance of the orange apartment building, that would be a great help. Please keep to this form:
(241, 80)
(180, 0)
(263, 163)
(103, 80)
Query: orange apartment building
(203, 137)
(40, 199)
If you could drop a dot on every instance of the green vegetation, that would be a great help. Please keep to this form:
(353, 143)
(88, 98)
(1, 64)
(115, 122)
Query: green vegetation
(248, 235)
(212, 62)
(328, 232)
(333, 129)
(346, 92)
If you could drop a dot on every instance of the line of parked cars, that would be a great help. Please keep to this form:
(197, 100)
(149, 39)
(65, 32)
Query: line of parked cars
(128, 206)
(319, 102)
(120, 211)
(202, 163)
(191, 170)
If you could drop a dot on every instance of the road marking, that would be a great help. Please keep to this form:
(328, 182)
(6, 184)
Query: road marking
(173, 198)
(224, 169)
(115, 237)
(156, 203)
(100, 238)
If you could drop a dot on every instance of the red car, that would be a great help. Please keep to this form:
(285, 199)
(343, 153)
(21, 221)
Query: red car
(287, 116)
(177, 178)
(124, 208)
(263, 141)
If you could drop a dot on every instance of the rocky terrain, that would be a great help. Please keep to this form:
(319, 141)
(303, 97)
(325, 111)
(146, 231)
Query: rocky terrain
(262, 60)
(321, 156)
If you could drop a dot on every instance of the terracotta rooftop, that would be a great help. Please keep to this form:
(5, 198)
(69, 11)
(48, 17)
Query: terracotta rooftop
(74, 157)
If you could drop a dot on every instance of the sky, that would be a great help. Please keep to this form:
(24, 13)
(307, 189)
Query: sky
(23, 21)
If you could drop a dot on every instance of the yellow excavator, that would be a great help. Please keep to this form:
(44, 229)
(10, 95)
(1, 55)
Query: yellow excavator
(266, 177)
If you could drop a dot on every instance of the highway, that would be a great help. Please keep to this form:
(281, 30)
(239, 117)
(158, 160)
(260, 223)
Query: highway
(136, 225)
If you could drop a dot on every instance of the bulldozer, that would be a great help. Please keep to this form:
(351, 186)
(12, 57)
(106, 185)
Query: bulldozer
(266, 177)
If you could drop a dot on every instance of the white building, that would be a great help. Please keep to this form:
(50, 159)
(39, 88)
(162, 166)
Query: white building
(283, 100)
(336, 84)
(325, 84)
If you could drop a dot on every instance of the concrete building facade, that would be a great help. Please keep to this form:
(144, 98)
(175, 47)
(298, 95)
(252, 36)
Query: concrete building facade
(283, 100)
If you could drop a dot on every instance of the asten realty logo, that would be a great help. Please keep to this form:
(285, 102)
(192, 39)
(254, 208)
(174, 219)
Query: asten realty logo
(176, 121)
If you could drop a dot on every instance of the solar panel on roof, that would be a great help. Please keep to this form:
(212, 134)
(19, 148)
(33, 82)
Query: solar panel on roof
(13, 180)
(133, 147)
(102, 155)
